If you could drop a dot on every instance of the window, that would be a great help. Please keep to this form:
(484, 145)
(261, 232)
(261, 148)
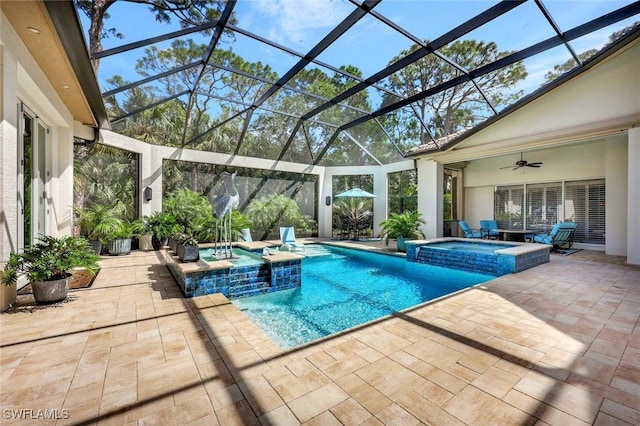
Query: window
(584, 203)
(543, 204)
(508, 202)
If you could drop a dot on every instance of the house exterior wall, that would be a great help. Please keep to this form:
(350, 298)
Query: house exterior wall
(633, 197)
(584, 129)
(24, 82)
(603, 158)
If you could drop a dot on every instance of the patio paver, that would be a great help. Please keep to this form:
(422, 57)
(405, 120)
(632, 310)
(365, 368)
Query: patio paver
(556, 344)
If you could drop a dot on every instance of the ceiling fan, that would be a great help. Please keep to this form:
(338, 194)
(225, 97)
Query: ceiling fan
(523, 163)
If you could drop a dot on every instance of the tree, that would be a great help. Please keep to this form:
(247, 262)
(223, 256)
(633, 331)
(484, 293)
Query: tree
(570, 64)
(188, 12)
(458, 107)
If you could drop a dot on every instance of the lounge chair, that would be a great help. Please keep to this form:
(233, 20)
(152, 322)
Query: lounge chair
(471, 233)
(491, 229)
(560, 237)
(245, 235)
(288, 237)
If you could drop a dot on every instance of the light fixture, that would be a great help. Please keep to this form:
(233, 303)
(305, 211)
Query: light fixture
(65, 86)
(34, 30)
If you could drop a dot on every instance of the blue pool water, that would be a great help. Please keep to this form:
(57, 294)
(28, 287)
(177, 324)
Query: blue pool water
(342, 288)
(470, 246)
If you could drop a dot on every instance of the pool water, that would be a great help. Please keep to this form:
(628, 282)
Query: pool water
(240, 257)
(343, 288)
(470, 247)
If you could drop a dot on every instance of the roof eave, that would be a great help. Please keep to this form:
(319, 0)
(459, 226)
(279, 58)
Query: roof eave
(65, 19)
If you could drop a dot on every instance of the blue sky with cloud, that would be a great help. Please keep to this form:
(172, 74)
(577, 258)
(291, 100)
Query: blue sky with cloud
(370, 44)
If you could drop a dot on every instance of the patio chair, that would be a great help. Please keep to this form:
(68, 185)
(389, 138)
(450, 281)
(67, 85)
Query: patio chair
(245, 235)
(491, 228)
(560, 237)
(471, 233)
(288, 237)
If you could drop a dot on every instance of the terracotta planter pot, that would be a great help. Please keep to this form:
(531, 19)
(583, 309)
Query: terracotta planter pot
(51, 291)
(189, 253)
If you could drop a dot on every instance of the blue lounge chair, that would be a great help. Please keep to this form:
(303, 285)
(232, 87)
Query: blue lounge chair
(491, 228)
(288, 237)
(471, 233)
(560, 237)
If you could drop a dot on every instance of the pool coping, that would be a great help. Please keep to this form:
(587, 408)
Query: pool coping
(518, 248)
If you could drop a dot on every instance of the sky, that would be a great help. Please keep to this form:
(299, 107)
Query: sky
(370, 44)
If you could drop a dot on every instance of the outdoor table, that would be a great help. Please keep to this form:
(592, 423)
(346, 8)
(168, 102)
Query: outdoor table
(515, 234)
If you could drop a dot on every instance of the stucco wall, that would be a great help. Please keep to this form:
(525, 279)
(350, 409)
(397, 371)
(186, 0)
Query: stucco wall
(24, 82)
(603, 158)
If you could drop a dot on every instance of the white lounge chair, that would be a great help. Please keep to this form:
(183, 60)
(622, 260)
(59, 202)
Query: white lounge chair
(288, 237)
(245, 235)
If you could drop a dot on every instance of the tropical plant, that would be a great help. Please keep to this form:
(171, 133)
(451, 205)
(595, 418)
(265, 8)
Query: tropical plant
(186, 240)
(50, 259)
(402, 225)
(189, 208)
(271, 212)
(353, 210)
(98, 222)
(158, 224)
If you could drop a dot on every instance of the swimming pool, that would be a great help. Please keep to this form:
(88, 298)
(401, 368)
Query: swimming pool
(344, 288)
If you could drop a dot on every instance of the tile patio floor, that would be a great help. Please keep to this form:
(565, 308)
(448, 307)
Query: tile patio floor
(558, 344)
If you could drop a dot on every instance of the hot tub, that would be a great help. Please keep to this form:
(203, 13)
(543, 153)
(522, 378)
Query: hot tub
(484, 256)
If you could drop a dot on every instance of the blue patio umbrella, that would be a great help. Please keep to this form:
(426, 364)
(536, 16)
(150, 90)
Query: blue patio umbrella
(355, 193)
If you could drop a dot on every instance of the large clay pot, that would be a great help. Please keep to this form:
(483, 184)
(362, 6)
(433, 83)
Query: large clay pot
(51, 291)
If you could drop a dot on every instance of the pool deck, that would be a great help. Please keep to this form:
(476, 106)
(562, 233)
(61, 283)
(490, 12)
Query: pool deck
(557, 344)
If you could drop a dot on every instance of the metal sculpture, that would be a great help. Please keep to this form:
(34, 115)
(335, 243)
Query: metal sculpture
(222, 207)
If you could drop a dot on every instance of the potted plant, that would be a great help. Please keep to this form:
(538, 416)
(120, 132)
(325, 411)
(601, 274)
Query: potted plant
(119, 241)
(187, 249)
(402, 226)
(97, 222)
(48, 264)
(158, 227)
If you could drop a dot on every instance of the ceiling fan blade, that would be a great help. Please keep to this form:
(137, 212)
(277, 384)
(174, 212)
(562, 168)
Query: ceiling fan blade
(508, 167)
(536, 165)
(516, 167)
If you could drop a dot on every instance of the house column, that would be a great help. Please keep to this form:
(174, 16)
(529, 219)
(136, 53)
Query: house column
(633, 205)
(430, 196)
(381, 202)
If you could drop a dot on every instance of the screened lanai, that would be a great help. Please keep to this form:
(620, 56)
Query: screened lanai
(308, 99)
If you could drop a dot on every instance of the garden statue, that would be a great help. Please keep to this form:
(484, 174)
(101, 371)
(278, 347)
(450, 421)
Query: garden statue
(222, 207)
